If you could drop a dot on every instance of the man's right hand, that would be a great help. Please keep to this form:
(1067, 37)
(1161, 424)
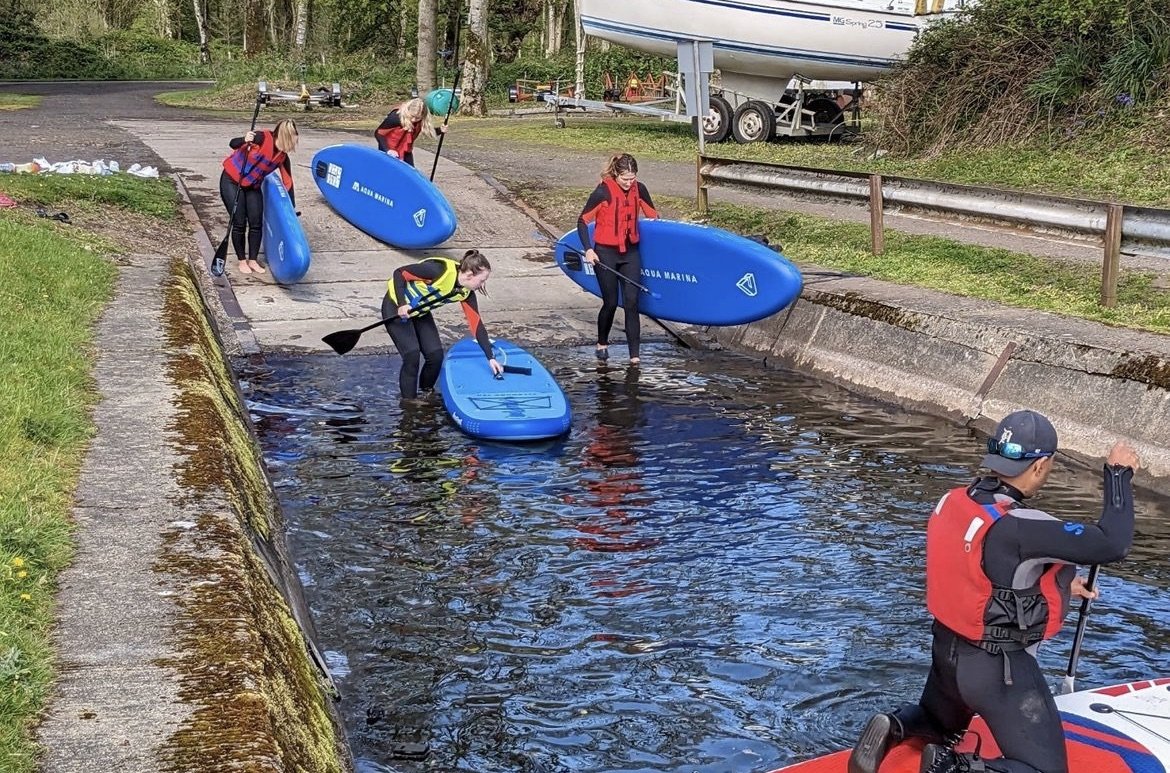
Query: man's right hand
(1123, 456)
(591, 257)
(404, 311)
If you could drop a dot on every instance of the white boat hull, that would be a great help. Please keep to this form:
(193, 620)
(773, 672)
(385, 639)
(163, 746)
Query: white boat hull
(759, 42)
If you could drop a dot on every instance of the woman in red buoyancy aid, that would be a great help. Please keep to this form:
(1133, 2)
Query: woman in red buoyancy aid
(615, 206)
(255, 156)
(401, 127)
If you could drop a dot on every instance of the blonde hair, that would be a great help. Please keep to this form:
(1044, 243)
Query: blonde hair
(413, 110)
(286, 135)
(619, 163)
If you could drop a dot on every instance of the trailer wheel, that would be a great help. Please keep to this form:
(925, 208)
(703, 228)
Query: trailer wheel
(754, 121)
(825, 111)
(560, 123)
(717, 122)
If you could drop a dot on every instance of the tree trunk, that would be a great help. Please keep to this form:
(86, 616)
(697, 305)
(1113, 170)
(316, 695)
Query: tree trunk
(253, 27)
(201, 25)
(579, 37)
(403, 24)
(270, 17)
(475, 61)
(302, 11)
(424, 71)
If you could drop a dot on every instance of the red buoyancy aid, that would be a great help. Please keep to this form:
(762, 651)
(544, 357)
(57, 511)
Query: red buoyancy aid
(399, 138)
(959, 593)
(617, 226)
(251, 163)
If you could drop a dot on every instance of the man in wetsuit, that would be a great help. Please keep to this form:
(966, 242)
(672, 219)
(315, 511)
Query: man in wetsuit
(999, 576)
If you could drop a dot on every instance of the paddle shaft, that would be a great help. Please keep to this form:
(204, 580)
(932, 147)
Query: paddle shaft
(640, 286)
(450, 102)
(221, 251)
(1070, 675)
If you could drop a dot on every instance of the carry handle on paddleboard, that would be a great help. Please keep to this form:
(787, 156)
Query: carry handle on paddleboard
(575, 264)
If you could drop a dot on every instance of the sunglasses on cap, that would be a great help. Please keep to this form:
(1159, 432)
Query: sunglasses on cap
(1013, 450)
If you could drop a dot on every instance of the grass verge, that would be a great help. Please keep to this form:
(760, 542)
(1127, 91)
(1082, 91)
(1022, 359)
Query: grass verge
(54, 281)
(990, 274)
(1101, 166)
(18, 101)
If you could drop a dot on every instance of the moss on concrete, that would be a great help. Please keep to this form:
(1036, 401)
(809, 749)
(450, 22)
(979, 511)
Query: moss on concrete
(259, 702)
(860, 306)
(1150, 370)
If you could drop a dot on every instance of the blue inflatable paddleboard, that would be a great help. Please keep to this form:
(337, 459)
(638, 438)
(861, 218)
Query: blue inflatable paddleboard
(387, 198)
(698, 274)
(285, 245)
(515, 407)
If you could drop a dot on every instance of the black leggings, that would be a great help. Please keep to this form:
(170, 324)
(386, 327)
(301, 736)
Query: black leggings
(415, 339)
(966, 680)
(629, 265)
(249, 215)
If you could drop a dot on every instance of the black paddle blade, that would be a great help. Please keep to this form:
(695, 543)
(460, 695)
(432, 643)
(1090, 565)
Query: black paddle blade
(343, 340)
(518, 370)
(219, 260)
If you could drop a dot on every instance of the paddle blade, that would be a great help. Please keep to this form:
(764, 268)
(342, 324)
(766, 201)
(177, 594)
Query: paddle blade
(518, 370)
(343, 340)
(219, 260)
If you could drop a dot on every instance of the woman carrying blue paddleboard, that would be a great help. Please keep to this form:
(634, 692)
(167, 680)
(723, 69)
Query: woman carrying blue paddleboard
(255, 156)
(412, 294)
(401, 127)
(615, 206)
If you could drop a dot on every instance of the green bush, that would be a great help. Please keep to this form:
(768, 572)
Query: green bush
(1007, 71)
(26, 55)
(144, 56)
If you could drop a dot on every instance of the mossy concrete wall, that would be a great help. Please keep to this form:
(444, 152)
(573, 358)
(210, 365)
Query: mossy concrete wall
(262, 698)
(977, 361)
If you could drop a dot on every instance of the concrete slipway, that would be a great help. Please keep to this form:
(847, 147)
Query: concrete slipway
(127, 652)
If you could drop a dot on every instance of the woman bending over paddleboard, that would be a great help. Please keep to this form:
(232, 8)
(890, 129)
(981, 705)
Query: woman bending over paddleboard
(254, 156)
(412, 294)
(401, 127)
(615, 206)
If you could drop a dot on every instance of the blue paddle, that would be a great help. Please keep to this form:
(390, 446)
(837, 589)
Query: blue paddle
(576, 265)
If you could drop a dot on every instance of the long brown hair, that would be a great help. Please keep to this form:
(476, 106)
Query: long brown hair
(474, 262)
(621, 162)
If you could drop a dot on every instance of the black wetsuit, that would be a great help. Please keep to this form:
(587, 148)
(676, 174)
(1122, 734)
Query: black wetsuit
(417, 338)
(628, 264)
(1012, 697)
(249, 214)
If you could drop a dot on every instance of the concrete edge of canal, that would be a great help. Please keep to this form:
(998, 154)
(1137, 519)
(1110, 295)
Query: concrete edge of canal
(975, 361)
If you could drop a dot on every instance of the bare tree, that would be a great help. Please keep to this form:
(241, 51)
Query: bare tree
(554, 25)
(403, 24)
(424, 71)
(302, 13)
(201, 25)
(475, 59)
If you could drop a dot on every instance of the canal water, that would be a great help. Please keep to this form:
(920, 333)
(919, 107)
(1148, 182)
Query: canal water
(719, 569)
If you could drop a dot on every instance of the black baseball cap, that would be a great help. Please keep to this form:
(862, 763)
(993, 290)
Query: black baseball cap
(1019, 440)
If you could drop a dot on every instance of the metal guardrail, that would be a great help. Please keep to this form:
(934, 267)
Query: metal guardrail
(1120, 227)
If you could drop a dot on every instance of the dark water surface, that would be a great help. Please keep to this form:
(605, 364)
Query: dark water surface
(719, 569)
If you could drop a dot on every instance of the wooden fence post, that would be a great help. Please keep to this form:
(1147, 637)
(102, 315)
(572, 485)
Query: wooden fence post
(1111, 266)
(877, 236)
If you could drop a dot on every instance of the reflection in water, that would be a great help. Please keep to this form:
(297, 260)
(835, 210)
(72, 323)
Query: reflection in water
(719, 569)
